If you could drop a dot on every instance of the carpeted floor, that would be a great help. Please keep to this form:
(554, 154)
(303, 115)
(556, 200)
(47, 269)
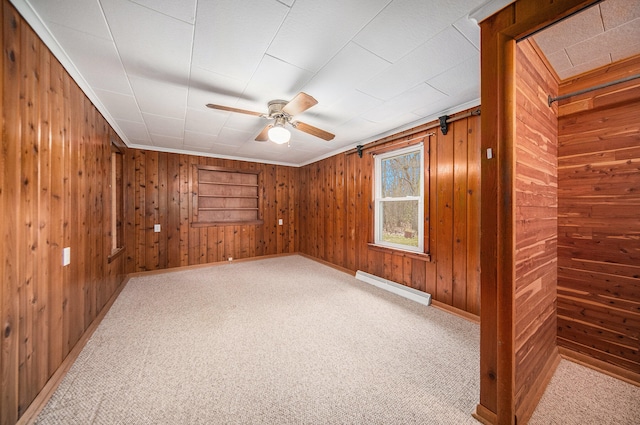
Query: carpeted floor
(277, 341)
(290, 341)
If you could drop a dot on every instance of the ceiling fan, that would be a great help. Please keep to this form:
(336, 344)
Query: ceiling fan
(282, 112)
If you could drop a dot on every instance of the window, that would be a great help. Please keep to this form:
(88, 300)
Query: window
(399, 199)
(223, 196)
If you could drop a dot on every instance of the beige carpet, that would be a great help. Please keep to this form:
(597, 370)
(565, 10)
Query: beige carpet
(290, 341)
(276, 341)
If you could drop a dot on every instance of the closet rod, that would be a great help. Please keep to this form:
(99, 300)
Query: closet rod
(600, 86)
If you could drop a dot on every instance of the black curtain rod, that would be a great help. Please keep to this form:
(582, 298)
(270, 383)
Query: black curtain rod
(600, 86)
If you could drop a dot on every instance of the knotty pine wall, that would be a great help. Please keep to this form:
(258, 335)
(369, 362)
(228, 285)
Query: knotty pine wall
(336, 216)
(599, 220)
(54, 193)
(158, 192)
(536, 234)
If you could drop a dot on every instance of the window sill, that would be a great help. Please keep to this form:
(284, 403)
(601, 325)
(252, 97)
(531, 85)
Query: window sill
(409, 254)
(226, 223)
(115, 254)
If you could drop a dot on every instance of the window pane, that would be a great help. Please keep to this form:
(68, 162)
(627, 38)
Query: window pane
(401, 175)
(400, 222)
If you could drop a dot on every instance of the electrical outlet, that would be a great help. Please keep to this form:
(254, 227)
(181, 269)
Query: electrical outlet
(230, 258)
(66, 256)
(280, 222)
(156, 228)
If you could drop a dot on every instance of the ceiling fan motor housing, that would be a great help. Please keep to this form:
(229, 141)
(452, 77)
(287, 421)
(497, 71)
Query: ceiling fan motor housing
(275, 109)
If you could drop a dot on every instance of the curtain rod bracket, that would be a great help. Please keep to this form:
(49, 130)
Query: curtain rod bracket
(359, 150)
(444, 127)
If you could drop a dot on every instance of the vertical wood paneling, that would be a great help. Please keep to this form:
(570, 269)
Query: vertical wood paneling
(336, 217)
(53, 194)
(162, 188)
(599, 229)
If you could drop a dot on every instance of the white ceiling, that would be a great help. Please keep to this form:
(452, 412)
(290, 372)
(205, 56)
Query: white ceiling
(375, 66)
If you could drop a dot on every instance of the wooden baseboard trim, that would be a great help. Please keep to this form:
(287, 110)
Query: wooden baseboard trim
(456, 311)
(36, 406)
(600, 366)
(200, 266)
(484, 415)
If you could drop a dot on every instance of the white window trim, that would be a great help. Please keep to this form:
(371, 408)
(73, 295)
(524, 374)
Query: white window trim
(378, 199)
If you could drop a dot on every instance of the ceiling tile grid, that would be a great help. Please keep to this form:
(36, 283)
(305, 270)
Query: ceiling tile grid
(374, 66)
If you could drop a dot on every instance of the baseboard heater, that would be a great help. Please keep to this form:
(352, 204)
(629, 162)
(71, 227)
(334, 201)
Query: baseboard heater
(396, 288)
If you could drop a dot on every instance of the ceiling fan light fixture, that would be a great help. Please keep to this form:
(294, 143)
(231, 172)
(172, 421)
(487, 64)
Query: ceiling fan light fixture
(278, 134)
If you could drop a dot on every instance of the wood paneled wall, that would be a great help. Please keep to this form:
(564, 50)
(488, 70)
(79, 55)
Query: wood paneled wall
(336, 216)
(54, 193)
(536, 232)
(158, 192)
(599, 219)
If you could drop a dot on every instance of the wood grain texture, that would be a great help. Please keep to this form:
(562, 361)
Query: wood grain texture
(599, 229)
(54, 193)
(536, 188)
(335, 216)
(161, 188)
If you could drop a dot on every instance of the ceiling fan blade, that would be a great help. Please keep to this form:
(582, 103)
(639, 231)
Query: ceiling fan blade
(230, 109)
(314, 131)
(299, 104)
(264, 136)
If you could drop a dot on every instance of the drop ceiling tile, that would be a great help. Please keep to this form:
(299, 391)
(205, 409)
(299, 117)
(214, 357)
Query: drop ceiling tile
(160, 49)
(618, 12)
(192, 138)
(412, 21)
(580, 27)
(95, 58)
(165, 126)
(275, 79)
(315, 31)
(207, 121)
(184, 10)
(345, 71)
(210, 87)
(594, 63)
(160, 98)
(134, 130)
(470, 30)
(626, 51)
(232, 36)
(80, 15)
(415, 98)
(231, 136)
(120, 106)
(610, 41)
(559, 60)
(162, 140)
(460, 78)
(440, 53)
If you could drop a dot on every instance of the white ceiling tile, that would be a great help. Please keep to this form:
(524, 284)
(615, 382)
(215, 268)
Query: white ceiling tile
(469, 29)
(207, 121)
(210, 87)
(165, 141)
(347, 69)
(408, 101)
(411, 16)
(184, 10)
(231, 36)
(275, 79)
(314, 31)
(459, 78)
(192, 138)
(158, 49)
(160, 98)
(121, 106)
(80, 15)
(96, 58)
(165, 126)
(134, 130)
(440, 53)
